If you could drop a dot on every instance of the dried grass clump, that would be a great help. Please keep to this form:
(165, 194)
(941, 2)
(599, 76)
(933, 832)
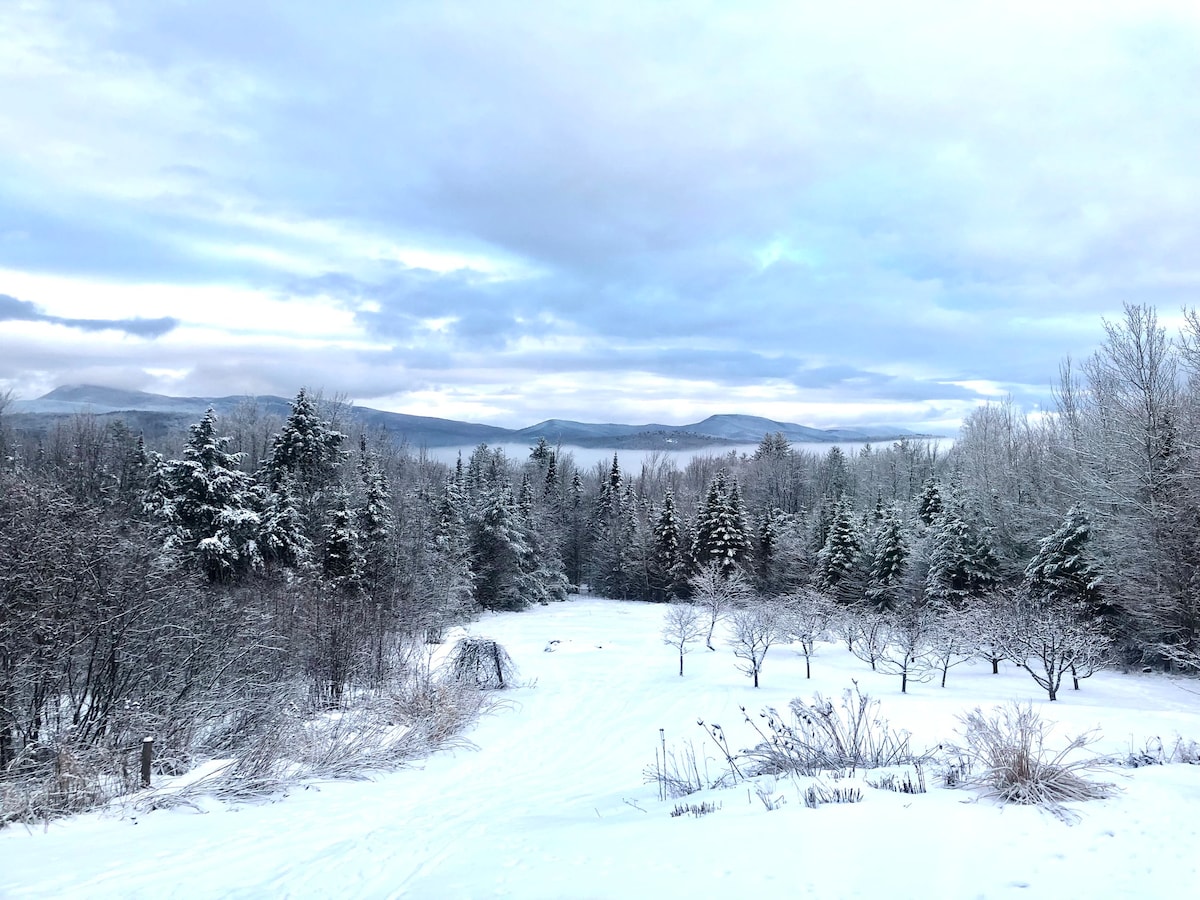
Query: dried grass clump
(1008, 758)
(47, 781)
(826, 737)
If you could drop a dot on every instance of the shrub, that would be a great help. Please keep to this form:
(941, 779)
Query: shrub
(824, 737)
(1007, 756)
(482, 662)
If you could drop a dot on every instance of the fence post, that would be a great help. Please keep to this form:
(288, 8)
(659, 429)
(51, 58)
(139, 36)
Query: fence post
(147, 758)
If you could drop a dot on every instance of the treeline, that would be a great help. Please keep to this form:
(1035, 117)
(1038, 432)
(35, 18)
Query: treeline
(176, 589)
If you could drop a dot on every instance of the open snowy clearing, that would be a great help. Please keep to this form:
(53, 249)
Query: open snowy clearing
(553, 802)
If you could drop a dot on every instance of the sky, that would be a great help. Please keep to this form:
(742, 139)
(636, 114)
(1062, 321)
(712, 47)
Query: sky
(502, 212)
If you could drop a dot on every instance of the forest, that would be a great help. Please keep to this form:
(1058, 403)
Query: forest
(260, 567)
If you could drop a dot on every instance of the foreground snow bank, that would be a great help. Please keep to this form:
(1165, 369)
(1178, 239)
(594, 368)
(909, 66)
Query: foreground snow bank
(553, 803)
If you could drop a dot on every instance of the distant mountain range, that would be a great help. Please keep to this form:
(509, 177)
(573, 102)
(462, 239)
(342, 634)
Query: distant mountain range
(156, 414)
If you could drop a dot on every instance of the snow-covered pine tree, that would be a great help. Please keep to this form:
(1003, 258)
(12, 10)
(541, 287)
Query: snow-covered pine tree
(307, 448)
(211, 506)
(962, 564)
(889, 561)
(1063, 571)
(838, 562)
(341, 556)
(282, 538)
(929, 505)
(669, 561)
(722, 535)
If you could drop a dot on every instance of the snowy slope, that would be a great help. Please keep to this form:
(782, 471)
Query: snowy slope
(552, 802)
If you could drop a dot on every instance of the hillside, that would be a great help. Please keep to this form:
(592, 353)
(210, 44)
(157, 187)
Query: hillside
(155, 414)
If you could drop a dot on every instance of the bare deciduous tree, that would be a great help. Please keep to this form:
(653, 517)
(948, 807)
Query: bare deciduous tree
(809, 614)
(682, 627)
(716, 593)
(755, 629)
(1049, 642)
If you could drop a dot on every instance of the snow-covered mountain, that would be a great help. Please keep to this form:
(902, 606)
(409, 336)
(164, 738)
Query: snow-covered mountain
(156, 413)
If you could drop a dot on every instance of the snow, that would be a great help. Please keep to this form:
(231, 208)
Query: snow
(552, 801)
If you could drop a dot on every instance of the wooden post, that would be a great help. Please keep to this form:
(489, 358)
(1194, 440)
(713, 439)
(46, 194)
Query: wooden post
(147, 758)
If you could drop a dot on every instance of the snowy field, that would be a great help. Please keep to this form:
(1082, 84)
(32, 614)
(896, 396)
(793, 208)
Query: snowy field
(552, 803)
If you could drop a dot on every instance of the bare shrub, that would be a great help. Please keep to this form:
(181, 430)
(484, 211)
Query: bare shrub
(1155, 753)
(48, 781)
(1008, 758)
(823, 737)
(482, 662)
(681, 772)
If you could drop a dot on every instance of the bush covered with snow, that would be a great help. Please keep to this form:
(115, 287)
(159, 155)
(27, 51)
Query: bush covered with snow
(482, 662)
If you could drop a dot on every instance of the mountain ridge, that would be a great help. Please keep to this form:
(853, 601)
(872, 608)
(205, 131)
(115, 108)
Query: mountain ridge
(157, 413)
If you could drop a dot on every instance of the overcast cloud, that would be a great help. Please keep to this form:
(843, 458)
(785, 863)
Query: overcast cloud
(623, 211)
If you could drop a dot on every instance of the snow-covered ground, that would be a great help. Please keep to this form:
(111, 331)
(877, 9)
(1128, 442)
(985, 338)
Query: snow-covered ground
(553, 802)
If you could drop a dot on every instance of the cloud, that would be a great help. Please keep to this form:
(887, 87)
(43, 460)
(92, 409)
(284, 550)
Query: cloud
(14, 310)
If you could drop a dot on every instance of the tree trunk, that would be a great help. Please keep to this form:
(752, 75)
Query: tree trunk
(680, 665)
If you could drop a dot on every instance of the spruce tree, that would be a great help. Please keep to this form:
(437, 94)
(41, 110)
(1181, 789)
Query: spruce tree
(962, 563)
(722, 535)
(1064, 574)
(838, 562)
(669, 562)
(211, 506)
(889, 562)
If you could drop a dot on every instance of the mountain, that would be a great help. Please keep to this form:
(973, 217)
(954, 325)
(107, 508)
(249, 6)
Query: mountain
(156, 414)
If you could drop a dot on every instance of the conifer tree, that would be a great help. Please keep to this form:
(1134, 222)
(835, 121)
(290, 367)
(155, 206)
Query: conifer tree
(930, 505)
(307, 448)
(838, 562)
(962, 564)
(211, 506)
(889, 562)
(1064, 574)
(669, 562)
(722, 535)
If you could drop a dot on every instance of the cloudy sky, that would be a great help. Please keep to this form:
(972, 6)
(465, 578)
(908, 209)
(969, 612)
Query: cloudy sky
(825, 213)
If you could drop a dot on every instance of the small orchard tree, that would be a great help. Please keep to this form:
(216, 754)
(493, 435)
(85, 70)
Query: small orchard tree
(716, 593)
(682, 627)
(904, 650)
(1048, 642)
(809, 614)
(865, 631)
(951, 642)
(755, 629)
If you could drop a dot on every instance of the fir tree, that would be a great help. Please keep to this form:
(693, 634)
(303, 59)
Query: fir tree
(838, 562)
(211, 505)
(930, 505)
(962, 563)
(722, 535)
(889, 562)
(1063, 572)
(307, 447)
(669, 565)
